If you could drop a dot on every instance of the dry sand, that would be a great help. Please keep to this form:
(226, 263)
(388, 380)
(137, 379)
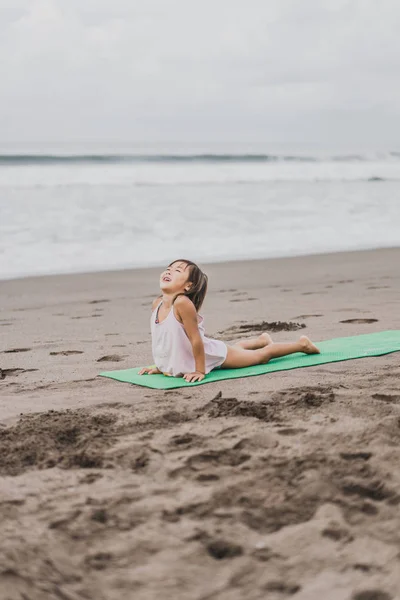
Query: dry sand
(283, 485)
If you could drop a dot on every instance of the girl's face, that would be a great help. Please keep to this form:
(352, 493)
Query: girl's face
(175, 278)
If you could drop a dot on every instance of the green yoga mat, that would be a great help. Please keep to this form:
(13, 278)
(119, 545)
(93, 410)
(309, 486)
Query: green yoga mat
(338, 349)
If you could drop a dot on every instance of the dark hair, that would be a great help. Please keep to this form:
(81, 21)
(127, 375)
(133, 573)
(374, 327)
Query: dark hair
(199, 281)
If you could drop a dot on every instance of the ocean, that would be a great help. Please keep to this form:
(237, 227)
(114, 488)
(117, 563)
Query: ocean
(64, 211)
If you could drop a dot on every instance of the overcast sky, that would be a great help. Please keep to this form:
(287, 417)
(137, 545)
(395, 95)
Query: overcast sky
(218, 70)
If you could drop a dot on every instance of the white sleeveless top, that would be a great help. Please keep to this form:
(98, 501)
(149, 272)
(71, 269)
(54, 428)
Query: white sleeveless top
(172, 350)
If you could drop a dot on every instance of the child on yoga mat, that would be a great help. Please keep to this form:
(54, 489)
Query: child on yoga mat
(179, 345)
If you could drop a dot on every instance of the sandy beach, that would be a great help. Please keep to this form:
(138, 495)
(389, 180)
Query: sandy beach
(277, 486)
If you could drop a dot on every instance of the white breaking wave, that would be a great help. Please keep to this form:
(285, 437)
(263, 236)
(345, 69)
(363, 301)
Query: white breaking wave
(195, 173)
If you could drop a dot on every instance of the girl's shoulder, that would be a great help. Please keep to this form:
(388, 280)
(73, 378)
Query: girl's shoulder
(182, 301)
(184, 308)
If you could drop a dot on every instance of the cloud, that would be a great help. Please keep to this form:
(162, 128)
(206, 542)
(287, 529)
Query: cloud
(221, 69)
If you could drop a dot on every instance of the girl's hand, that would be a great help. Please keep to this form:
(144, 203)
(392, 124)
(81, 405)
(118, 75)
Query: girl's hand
(192, 377)
(149, 371)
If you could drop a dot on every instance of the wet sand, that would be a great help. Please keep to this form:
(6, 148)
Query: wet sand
(283, 485)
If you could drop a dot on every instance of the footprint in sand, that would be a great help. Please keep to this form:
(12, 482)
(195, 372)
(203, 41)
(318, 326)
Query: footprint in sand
(221, 549)
(336, 534)
(98, 561)
(224, 457)
(312, 293)
(359, 321)
(12, 350)
(356, 455)
(14, 372)
(307, 316)
(387, 397)
(207, 477)
(87, 316)
(373, 594)
(65, 352)
(282, 587)
(178, 440)
(90, 478)
(98, 301)
(263, 553)
(111, 358)
(374, 490)
(291, 431)
(6, 322)
(378, 287)
(363, 567)
(242, 299)
(350, 310)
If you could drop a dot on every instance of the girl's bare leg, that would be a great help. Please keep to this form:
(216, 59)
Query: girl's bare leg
(255, 343)
(238, 357)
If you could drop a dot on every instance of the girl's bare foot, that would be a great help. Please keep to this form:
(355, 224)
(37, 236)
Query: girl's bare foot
(265, 340)
(255, 343)
(307, 346)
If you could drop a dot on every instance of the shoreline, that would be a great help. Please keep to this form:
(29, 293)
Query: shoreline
(205, 264)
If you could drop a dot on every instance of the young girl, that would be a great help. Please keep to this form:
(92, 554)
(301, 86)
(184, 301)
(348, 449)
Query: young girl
(180, 347)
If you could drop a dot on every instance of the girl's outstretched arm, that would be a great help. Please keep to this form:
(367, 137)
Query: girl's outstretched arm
(187, 314)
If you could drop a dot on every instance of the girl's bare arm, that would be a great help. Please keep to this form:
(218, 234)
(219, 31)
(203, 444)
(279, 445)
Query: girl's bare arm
(153, 369)
(188, 315)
